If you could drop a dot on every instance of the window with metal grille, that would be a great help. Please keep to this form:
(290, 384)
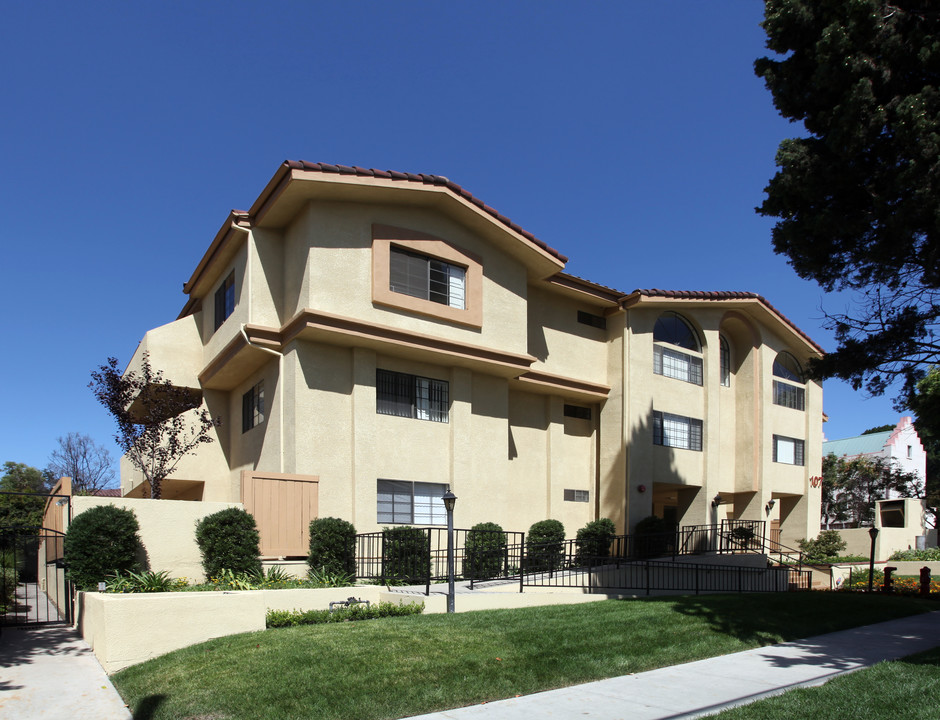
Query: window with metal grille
(586, 318)
(789, 396)
(427, 278)
(225, 300)
(788, 451)
(253, 407)
(675, 364)
(577, 495)
(411, 396)
(676, 431)
(576, 411)
(417, 503)
(724, 351)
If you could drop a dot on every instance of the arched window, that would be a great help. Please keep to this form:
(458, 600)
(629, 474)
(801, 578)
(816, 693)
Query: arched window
(725, 361)
(787, 368)
(672, 329)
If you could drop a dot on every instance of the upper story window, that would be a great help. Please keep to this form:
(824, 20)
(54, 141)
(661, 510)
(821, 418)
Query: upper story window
(673, 329)
(253, 407)
(725, 361)
(411, 396)
(786, 392)
(225, 300)
(677, 431)
(586, 318)
(788, 450)
(910, 452)
(427, 278)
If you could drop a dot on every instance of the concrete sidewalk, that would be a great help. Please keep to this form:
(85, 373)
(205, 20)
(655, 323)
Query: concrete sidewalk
(47, 672)
(709, 686)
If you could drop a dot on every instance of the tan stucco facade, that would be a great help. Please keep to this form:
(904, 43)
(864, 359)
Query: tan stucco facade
(549, 380)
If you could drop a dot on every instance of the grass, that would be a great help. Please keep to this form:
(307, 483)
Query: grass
(404, 666)
(907, 688)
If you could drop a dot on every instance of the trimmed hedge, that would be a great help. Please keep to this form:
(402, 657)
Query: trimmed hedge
(594, 540)
(228, 540)
(292, 618)
(545, 545)
(407, 555)
(100, 542)
(332, 547)
(484, 552)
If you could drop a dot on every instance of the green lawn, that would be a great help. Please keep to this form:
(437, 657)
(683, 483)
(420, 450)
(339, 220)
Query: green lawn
(907, 689)
(396, 667)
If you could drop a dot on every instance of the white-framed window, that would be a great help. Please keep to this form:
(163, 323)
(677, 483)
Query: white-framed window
(253, 407)
(724, 350)
(427, 278)
(413, 396)
(577, 495)
(787, 450)
(225, 300)
(677, 431)
(401, 502)
(788, 388)
(681, 364)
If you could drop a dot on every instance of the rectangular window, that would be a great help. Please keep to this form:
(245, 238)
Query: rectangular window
(675, 364)
(577, 495)
(725, 364)
(427, 278)
(789, 396)
(788, 451)
(587, 318)
(576, 411)
(225, 300)
(676, 431)
(417, 503)
(411, 396)
(253, 407)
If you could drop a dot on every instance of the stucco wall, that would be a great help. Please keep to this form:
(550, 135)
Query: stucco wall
(167, 530)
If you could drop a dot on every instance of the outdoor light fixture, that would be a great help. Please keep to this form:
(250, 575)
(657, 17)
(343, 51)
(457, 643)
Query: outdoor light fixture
(770, 506)
(449, 501)
(717, 501)
(641, 488)
(873, 533)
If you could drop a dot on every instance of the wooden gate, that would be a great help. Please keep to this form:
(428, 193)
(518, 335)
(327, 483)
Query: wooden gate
(283, 506)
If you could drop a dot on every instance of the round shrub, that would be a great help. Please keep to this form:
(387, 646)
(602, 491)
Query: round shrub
(332, 547)
(100, 542)
(828, 544)
(406, 556)
(228, 540)
(545, 545)
(484, 552)
(594, 539)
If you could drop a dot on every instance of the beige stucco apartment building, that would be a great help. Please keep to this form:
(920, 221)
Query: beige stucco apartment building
(370, 339)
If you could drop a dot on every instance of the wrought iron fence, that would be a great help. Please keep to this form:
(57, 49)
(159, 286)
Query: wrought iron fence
(33, 585)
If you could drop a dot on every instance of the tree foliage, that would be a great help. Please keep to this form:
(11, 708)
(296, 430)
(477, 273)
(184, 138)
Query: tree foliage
(856, 197)
(21, 510)
(90, 465)
(158, 423)
(850, 487)
(925, 404)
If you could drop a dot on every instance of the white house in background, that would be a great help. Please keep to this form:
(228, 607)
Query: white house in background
(901, 446)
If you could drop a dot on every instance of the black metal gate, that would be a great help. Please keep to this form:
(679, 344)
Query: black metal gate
(33, 587)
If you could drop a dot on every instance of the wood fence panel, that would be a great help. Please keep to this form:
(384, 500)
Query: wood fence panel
(283, 506)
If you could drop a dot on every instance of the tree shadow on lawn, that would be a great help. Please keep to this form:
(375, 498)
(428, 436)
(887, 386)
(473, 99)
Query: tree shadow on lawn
(148, 706)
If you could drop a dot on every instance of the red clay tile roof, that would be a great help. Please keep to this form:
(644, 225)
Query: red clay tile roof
(108, 492)
(439, 180)
(726, 295)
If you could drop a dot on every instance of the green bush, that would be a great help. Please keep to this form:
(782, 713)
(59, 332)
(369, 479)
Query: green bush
(332, 547)
(826, 547)
(8, 579)
(484, 552)
(545, 546)
(144, 582)
(859, 579)
(406, 557)
(928, 555)
(100, 542)
(291, 618)
(228, 540)
(594, 540)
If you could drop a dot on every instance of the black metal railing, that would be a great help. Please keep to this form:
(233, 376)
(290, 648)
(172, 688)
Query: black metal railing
(34, 588)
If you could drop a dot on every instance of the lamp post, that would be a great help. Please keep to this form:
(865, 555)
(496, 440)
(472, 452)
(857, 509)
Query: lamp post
(449, 501)
(871, 563)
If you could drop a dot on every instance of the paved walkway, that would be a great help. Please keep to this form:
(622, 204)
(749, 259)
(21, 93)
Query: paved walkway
(50, 673)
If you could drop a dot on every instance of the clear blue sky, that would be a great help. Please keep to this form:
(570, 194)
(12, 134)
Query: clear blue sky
(631, 136)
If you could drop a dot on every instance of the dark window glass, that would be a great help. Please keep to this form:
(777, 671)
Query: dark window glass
(577, 495)
(225, 300)
(790, 396)
(253, 407)
(411, 396)
(587, 318)
(427, 278)
(786, 367)
(673, 329)
(576, 411)
(725, 360)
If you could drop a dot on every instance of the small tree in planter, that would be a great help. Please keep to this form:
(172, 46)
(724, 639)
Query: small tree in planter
(485, 552)
(545, 545)
(99, 542)
(407, 555)
(332, 547)
(594, 540)
(228, 540)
